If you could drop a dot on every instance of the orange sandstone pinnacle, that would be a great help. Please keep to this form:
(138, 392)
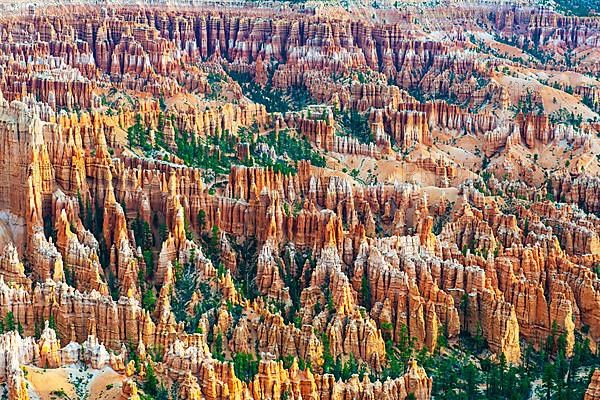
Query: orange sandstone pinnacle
(296, 202)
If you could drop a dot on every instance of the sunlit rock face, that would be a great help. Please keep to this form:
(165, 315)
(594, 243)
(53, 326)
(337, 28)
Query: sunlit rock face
(298, 201)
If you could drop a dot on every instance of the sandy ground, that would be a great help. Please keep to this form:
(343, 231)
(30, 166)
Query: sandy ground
(568, 77)
(588, 57)
(435, 194)
(553, 99)
(391, 171)
(503, 49)
(106, 386)
(74, 381)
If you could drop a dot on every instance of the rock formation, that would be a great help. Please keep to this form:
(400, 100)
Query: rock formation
(296, 202)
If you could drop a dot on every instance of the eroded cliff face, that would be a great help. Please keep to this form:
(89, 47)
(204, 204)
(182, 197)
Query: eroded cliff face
(169, 202)
(516, 279)
(593, 390)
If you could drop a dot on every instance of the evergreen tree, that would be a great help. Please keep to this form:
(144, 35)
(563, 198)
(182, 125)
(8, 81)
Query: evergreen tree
(9, 322)
(149, 300)
(328, 363)
(218, 348)
(350, 367)
(201, 219)
(365, 291)
(548, 381)
(150, 381)
(245, 366)
(52, 322)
